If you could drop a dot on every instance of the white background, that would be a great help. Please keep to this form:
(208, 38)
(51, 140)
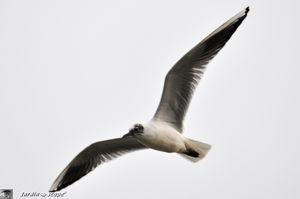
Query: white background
(76, 72)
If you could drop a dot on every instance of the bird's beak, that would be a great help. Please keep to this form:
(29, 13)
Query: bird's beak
(130, 134)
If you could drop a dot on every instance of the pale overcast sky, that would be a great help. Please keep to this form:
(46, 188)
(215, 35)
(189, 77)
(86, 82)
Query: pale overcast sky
(76, 72)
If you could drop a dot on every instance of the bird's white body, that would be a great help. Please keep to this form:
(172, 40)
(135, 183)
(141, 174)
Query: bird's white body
(161, 136)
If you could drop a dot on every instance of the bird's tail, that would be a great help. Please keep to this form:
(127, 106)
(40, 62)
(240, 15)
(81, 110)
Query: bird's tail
(195, 150)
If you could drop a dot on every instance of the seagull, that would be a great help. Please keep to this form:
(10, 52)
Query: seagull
(164, 131)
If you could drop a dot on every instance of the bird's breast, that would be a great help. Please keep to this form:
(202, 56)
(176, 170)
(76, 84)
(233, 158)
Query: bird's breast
(162, 138)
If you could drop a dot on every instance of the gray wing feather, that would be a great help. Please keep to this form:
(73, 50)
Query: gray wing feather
(185, 75)
(92, 156)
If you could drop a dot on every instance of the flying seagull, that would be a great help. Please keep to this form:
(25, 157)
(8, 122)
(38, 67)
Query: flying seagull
(164, 131)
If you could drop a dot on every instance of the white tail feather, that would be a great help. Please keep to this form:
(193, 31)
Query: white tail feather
(199, 147)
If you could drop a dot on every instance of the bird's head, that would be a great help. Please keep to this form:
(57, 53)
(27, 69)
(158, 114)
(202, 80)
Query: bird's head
(137, 129)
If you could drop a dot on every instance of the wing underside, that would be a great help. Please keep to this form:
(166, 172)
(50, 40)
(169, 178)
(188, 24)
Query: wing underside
(185, 75)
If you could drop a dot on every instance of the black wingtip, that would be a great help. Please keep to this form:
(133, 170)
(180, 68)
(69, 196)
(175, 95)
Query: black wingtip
(58, 188)
(247, 10)
(53, 189)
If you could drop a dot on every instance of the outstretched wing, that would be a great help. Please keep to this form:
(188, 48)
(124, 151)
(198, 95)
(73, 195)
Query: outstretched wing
(91, 157)
(185, 75)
